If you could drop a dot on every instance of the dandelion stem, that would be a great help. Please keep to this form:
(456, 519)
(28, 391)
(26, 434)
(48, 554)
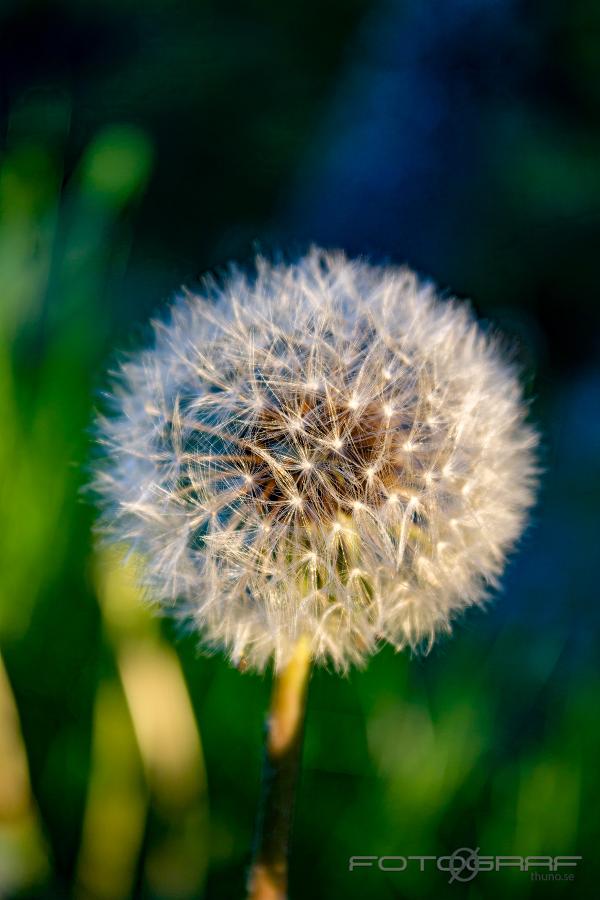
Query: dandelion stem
(283, 749)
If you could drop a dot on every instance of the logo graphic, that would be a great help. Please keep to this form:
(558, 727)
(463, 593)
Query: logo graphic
(463, 865)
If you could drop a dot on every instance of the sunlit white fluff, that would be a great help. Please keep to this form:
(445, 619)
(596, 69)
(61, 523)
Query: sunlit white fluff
(322, 449)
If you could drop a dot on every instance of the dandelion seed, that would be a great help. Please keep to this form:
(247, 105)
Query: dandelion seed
(235, 453)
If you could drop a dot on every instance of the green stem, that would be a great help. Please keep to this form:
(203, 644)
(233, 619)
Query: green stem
(283, 750)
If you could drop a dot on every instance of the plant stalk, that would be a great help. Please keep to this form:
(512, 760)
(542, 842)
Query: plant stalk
(283, 749)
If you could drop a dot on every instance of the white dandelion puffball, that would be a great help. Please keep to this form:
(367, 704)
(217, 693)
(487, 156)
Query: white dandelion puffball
(324, 449)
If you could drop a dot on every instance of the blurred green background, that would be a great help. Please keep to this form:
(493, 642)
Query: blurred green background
(143, 143)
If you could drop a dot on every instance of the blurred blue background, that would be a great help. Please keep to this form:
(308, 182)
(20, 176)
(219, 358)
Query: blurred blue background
(142, 144)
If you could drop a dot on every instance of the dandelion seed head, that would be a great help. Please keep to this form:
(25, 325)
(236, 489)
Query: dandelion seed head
(323, 449)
